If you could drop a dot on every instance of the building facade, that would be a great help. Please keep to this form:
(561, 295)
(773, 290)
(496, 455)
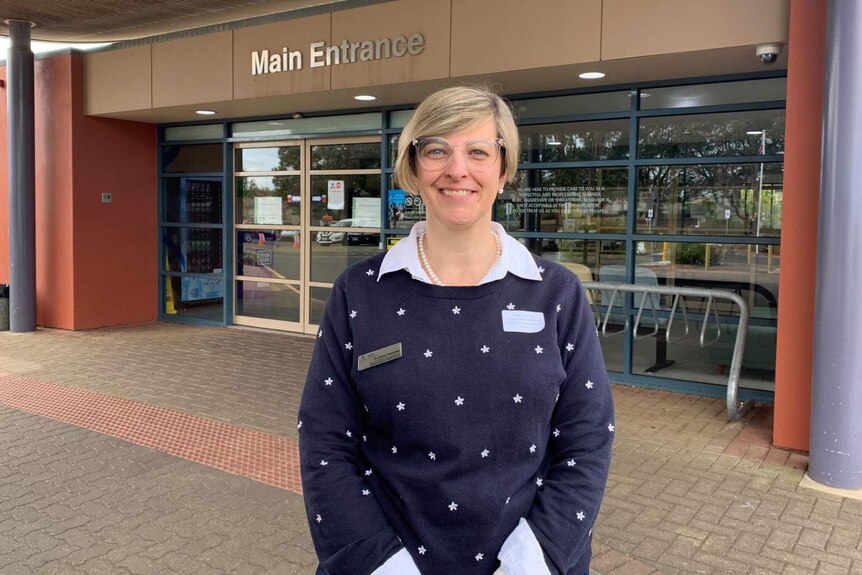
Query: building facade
(679, 167)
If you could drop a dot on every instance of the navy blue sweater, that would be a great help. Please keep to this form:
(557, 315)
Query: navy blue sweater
(484, 419)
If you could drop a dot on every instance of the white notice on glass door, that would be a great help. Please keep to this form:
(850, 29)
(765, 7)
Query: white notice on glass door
(335, 200)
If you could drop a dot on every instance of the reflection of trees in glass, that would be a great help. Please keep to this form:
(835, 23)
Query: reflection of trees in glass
(346, 156)
(575, 142)
(711, 135)
(694, 199)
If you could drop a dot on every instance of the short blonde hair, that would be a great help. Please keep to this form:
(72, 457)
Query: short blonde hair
(454, 110)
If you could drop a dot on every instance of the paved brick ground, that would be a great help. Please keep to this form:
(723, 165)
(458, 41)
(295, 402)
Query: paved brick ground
(688, 492)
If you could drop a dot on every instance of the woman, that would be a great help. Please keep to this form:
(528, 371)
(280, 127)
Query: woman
(457, 417)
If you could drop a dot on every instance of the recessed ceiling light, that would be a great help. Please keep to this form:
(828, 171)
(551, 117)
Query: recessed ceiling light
(364, 98)
(591, 75)
(204, 112)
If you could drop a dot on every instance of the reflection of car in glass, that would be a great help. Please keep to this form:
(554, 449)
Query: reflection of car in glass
(349, 238)
(253, 237)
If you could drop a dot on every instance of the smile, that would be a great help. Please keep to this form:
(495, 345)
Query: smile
(456, 193)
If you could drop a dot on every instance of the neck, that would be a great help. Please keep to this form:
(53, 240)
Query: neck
(460, 257)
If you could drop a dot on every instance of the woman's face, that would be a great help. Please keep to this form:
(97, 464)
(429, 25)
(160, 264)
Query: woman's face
(460, 195)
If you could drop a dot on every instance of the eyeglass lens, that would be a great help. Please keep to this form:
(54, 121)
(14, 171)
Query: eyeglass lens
(436, 153)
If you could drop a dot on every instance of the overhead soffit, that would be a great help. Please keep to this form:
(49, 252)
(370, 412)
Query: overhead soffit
(76, 21)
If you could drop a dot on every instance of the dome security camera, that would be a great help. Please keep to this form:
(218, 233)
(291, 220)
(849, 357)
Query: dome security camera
(768, 53)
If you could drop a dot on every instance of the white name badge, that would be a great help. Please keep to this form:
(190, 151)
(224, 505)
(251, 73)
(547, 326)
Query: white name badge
(523, 321)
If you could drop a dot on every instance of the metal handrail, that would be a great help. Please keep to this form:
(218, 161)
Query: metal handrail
(735, 408)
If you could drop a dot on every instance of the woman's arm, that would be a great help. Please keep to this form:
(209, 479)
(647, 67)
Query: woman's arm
(349, 530)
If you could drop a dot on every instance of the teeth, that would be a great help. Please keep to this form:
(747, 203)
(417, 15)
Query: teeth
(457, 192)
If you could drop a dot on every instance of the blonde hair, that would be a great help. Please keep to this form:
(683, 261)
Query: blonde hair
(454, 110)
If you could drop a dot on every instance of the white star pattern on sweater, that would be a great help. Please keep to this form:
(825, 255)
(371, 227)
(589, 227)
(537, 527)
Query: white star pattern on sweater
(508, 499)
(368, 472)
(539, 481)
(364, 438)
(510, 306)
(611, 427)
(453, 506)
(432, 456)
(459, 400)
(571, 463)
(517, 398)
(320, 333)
(353, 313)
(348, 345)
(559, 307)
(323, 463)
(328, 381)
(369, 273)
(299, 425)
(485, 453)
(428, 353)
(581, 516)
(485, 349)
(541, 270)
(401, 311)
(538, 349)
(400, 406)
(422, 550)
(533, 448)
(570, 347)
(318, 518)
(479, 556)
(349, 434)
(456, 310)
(556, 433)
(366, 492)
(589, 384)
(394, 450)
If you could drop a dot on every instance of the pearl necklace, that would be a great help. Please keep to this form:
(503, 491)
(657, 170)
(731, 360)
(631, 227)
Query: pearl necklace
(435, 279)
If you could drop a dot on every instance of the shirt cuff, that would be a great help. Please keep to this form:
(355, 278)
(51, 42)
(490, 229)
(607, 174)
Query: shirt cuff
(399, 564)
(521, 553)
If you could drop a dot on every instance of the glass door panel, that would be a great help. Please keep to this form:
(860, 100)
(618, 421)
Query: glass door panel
(268, 231)
(343, 213)
(304, 211)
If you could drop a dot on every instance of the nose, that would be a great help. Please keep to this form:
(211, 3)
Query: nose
(457, 168)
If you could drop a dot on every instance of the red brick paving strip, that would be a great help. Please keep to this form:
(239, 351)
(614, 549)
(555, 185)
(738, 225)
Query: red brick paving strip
(259, 456)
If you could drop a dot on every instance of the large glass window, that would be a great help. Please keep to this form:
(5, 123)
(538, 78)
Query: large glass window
(712, 135)
(695, 95)
(572, 142)
(711, 199)
(192, 158)
(566, 200)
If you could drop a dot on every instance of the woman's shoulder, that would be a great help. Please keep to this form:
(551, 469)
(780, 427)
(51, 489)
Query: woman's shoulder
(562, 272)
(362, 271)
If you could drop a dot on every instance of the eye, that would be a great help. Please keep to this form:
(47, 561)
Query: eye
(478, 153)
(434, 151)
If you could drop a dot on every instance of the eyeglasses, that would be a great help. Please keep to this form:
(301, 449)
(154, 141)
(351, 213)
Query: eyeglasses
(436, 153)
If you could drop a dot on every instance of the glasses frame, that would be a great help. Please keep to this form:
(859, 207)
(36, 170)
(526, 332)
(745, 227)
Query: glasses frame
(417, 141)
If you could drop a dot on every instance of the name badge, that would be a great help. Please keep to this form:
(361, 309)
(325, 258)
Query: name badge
(523, 321)
(378, 356)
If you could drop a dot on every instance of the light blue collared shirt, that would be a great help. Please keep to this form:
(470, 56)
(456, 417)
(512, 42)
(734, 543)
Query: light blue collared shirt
(515, 258)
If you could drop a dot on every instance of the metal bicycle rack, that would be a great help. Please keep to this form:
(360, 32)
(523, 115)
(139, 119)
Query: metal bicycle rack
(612, 292)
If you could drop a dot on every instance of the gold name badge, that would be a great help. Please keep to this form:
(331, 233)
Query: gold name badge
(378, 356)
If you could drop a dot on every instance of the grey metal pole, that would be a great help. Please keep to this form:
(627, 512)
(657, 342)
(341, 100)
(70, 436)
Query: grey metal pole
(22, 178)
(835, 458)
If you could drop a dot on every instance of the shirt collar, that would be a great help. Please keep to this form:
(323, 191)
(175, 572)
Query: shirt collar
(515, 258)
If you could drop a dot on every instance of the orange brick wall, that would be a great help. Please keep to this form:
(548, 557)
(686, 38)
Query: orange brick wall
(95, 263)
